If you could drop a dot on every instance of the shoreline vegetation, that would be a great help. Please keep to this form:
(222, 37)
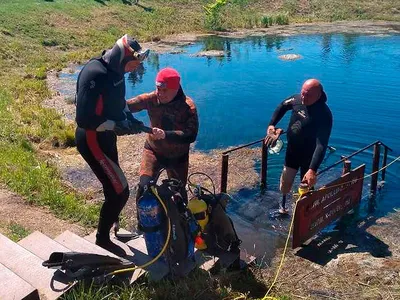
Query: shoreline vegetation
(40, 36)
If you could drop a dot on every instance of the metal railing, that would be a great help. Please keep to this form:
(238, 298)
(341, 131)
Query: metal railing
(375, 162)
(345, 160)
(225, 161)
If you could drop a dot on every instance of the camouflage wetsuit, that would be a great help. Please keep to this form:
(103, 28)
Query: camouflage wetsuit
(179, 120)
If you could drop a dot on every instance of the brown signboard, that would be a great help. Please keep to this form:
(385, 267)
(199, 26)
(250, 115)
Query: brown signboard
(317, 209)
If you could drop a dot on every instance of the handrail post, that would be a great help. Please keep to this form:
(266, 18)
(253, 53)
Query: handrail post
(224, 173)
(375, 167)
(346, 166)
(264, 165)
(385, 153)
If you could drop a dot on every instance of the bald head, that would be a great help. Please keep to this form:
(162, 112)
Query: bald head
(311, 91)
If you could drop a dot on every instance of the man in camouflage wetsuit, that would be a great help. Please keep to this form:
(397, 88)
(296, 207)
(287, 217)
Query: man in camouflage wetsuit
(173, 117)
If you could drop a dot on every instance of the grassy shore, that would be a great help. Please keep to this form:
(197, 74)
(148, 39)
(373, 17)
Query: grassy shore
(38, 36)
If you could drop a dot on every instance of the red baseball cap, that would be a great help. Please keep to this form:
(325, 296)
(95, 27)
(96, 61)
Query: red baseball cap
(168, 78)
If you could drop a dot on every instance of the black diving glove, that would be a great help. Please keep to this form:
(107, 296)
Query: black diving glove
(135, 125)
(126, 127)
(122, 127)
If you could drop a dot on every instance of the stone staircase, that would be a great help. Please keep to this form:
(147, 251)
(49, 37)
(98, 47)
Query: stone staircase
(22, 275)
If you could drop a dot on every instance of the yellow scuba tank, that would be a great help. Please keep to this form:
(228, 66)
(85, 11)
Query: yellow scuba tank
(199, 209)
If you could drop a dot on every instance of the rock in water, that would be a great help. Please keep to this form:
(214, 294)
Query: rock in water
(290, 57)
(210, 53)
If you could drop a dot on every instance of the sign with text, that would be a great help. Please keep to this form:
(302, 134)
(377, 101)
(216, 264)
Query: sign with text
(317, 209)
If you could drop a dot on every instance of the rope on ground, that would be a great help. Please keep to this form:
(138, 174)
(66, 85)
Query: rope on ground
(283, 255)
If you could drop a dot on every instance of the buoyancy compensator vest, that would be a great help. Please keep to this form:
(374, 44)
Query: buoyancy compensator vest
(153, 221)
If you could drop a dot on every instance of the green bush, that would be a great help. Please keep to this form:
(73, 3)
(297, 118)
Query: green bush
(213, 14)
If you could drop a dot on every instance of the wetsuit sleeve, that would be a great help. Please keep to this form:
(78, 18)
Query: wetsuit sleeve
(281, 110)
(89, 99)
(189, 134)
(140, 102)
(323, 135)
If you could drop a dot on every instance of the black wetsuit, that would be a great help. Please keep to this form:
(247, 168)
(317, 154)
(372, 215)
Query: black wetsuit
(307, 134)
(101, 97)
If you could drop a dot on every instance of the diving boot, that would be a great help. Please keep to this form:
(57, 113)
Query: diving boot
(107, 244)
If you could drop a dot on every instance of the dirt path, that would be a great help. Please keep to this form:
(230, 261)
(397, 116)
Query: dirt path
(15, 210)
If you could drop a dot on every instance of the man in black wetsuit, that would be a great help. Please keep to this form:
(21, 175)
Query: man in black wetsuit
(101, 115)
(307, 135)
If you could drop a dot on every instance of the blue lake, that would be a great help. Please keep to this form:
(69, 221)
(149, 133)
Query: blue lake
(236, 94)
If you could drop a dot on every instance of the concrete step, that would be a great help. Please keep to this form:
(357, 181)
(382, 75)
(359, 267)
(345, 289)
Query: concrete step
(203, 260)
(14, 287)
(41, 245)
(50, 284)
(138, 272)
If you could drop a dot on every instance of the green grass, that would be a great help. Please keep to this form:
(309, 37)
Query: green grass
(198, 285)
(28, 175)
(337, 10)
(17, 232)
(39, 182)
(279, 19)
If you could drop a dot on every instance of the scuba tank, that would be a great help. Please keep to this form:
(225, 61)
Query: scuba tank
(152, 223)
(218, 232)
(199, 209)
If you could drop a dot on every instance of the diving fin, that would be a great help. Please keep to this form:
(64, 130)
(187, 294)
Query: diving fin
(85, 265)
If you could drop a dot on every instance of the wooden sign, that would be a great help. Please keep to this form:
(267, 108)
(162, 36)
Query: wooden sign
(317, 209)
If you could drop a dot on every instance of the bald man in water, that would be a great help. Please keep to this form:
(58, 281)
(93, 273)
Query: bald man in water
(307, 135)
